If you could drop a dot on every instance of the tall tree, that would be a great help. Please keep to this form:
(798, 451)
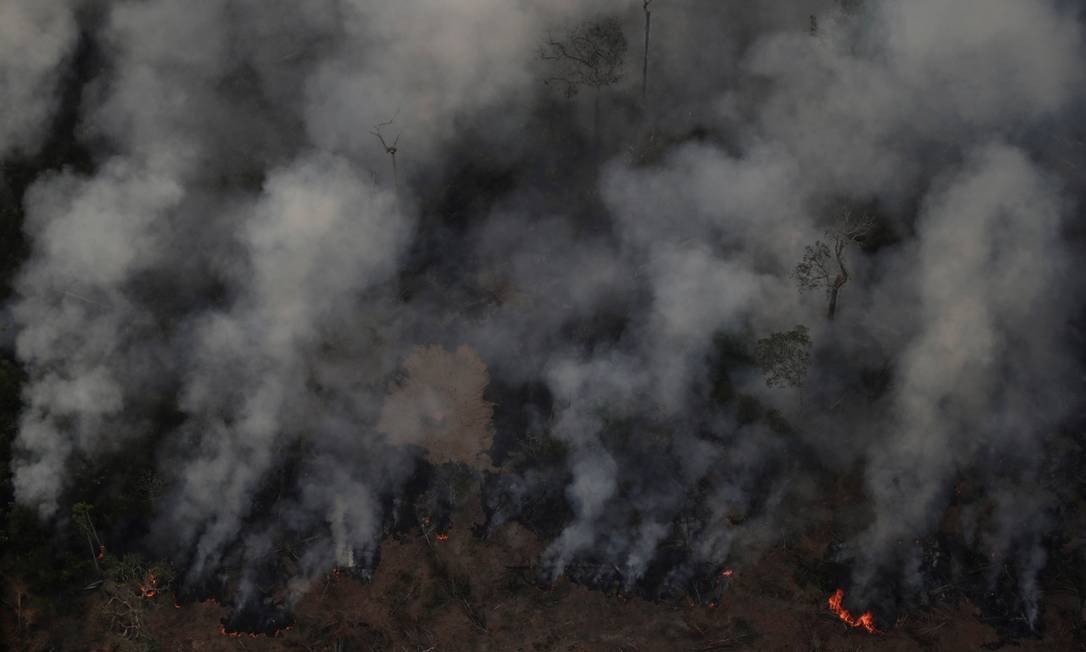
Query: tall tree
(592, 55)
(645, 63)
(389, 149)
(816, 269)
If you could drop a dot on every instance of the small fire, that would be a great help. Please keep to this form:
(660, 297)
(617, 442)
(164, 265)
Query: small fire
(865, 620)
(443, 537)
(727, 572)
(224, 632)
(149, 588)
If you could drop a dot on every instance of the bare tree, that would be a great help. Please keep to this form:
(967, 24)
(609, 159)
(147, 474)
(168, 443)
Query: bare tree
(816, 269)
(592, 55)
(645, 63)
(389, 149)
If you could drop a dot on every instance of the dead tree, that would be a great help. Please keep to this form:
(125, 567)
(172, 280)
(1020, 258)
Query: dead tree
(389, 149)
(816, 269)
(645, 63)
(592, 55)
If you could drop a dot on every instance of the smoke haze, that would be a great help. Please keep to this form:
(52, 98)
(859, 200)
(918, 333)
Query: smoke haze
(241, 276)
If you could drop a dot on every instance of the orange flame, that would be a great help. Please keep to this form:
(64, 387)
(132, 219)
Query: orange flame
(149, 588)
(222, 630)
(727, 572)
(865, 620)
(443, 537)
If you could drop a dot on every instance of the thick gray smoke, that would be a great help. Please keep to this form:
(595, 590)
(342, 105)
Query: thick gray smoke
(239, 256)
(985, 373)
(35, 40)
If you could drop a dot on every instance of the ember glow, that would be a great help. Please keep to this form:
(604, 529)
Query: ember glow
(149, 588)
(223, 631)
(443, 537)
(865, 620)
(727, 572)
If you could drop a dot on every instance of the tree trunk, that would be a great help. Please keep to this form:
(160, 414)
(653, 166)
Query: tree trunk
(645, 61)
(94, 556)
(596, 121)
(842, 277)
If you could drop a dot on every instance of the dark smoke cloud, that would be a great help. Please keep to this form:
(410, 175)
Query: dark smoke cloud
(239, 251)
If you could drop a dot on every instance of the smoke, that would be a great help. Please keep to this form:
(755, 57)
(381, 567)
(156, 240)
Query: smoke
(81, 337)
(36, 38)
(985, 375)
(318, 239)
(241, 259)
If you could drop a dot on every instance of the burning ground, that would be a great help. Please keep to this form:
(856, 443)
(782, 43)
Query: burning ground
(470, 593)
(688, 324)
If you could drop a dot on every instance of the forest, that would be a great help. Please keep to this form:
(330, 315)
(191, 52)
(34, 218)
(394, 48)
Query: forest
(542, 325)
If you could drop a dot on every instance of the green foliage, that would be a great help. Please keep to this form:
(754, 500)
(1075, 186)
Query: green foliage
(81, 516)
(131, 570)
(51, 562)
(732, 352)
(812, 271)
(784, 357)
